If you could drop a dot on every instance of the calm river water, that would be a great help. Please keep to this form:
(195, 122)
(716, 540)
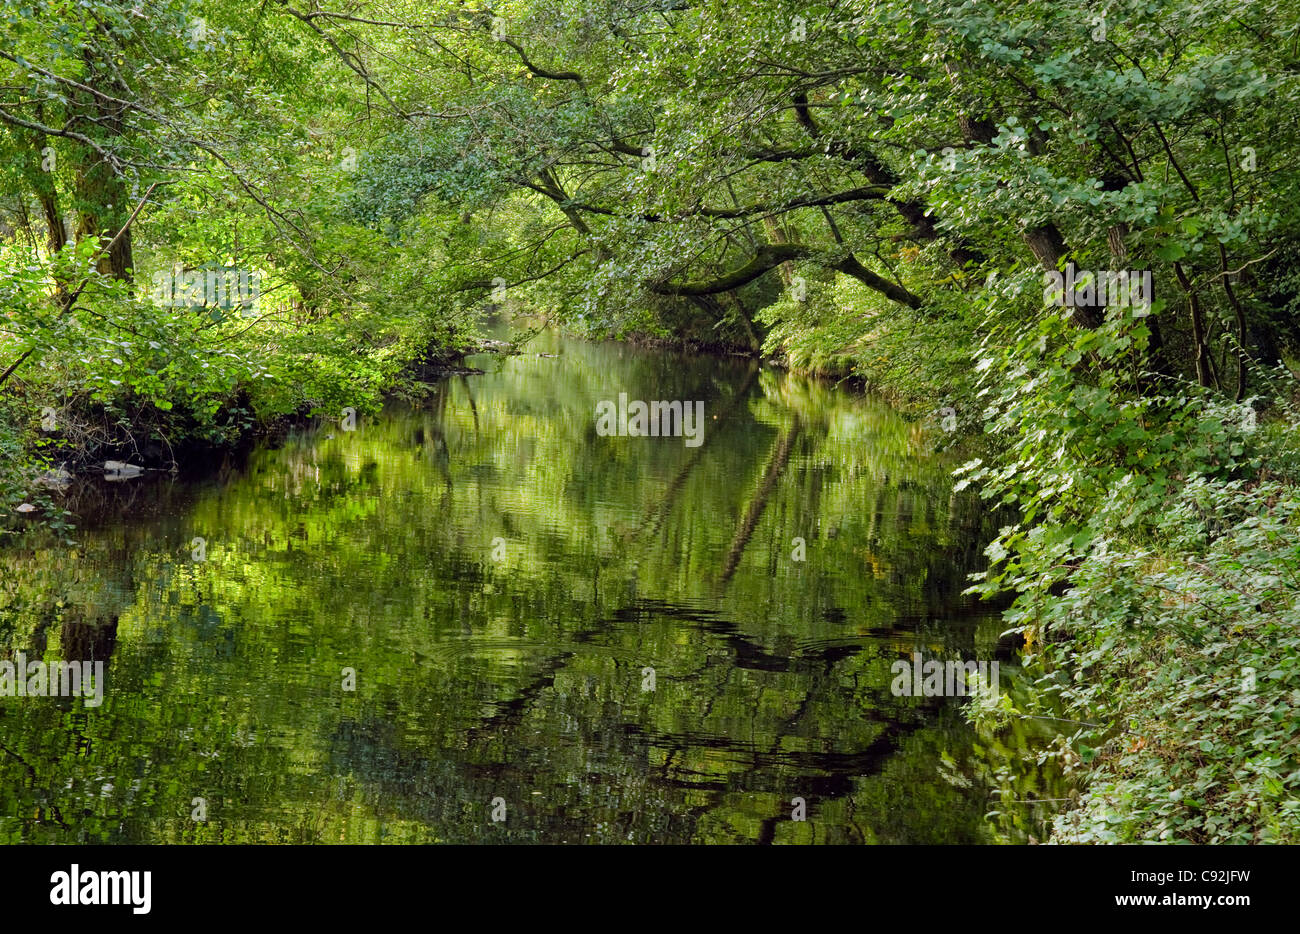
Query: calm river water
(475, 619)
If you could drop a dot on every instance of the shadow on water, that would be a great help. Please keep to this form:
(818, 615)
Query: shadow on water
(604, 639)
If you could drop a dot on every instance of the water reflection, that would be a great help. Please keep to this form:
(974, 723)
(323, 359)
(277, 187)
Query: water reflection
(622, 639)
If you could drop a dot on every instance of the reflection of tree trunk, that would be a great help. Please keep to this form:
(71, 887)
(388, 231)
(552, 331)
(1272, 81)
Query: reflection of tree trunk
(665, 502)
(775, 468)
(851, 768)
(89, 642)
(874, 514)
(512, 711)
(469, 394)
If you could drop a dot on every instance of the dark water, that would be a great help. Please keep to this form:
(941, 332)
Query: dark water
(502, 580)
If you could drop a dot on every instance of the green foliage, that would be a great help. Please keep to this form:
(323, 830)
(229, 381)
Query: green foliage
(1181, 664)
(1152, 572)
(872, 192)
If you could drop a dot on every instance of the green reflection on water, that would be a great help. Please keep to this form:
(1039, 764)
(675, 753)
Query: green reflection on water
(501, 578)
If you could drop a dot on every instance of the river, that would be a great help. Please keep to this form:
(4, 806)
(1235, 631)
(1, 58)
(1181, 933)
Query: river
(474, 618)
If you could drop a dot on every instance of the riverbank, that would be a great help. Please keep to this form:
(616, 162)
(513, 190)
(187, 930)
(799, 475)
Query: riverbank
(50, 434)
(1156, 569)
